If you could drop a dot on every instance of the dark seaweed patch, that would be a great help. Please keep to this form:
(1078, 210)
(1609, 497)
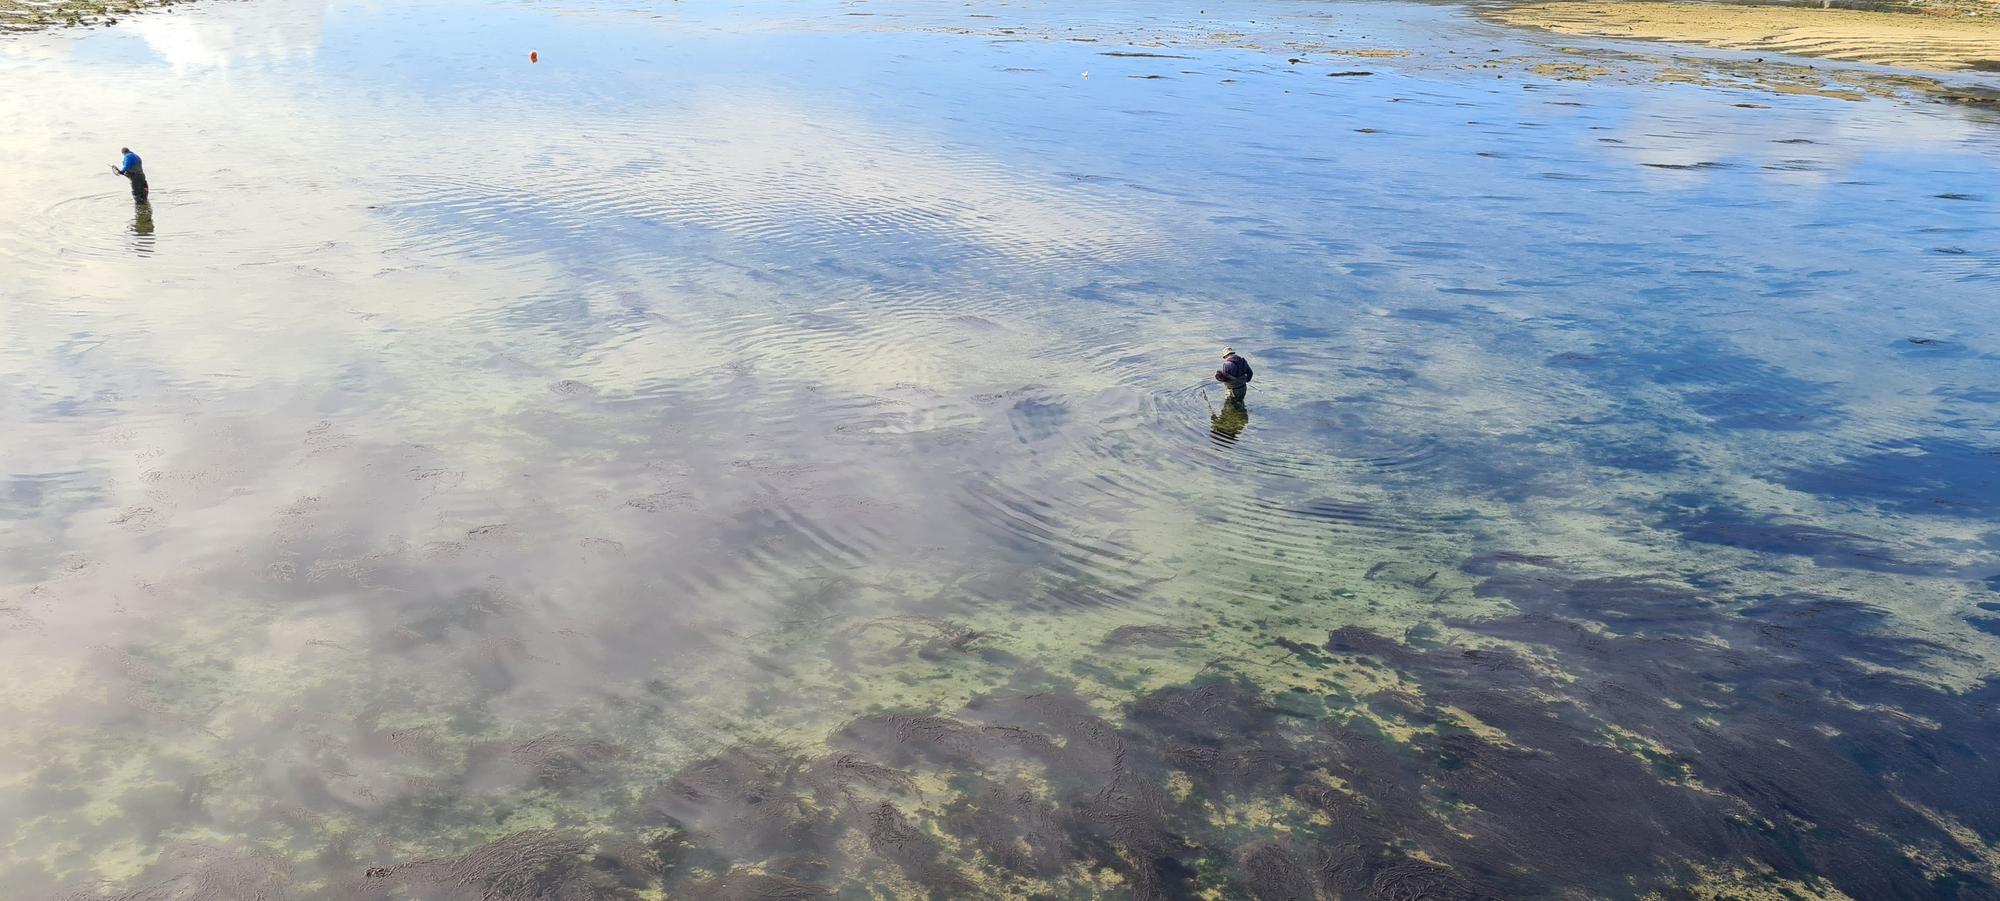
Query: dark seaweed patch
(1637, 452)
(201, 873)
(1126, 636)
(1353, 640)
(1304, 652)
(920, 856)
(1271, 871)
(1110, 810)
(746, 885)
(1815, 755)
(1221, 734)
(1014, 826)
(1654, 604)
(1728, 527)
(1730, 390)
(1657, 732)
(1760, 397)
(903, 739)
(1489, 563)
(1780, 753)
(537, 865)
(845, 772)
(551, 761)
(1937, 475)
(1919, 475)
(1796, 620)
(1036, 419)
(761, 823)
(749, 804)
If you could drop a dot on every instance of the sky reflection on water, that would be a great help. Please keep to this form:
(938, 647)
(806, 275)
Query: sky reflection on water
(749, 403)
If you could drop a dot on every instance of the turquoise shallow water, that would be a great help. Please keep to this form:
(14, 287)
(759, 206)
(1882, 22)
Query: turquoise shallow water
(767, 451)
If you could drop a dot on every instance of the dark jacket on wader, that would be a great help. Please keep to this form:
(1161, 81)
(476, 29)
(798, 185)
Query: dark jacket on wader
(135, 169)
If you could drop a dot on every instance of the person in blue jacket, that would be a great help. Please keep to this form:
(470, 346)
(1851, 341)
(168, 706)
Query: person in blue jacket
(133, 168)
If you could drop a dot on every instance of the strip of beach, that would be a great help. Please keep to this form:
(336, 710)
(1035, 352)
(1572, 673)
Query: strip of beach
(1956, 38)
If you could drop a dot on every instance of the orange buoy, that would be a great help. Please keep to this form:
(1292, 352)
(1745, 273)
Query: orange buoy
(534, 57)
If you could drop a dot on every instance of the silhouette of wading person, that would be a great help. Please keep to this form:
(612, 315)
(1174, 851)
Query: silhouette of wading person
(1235, 375)
(133, 168)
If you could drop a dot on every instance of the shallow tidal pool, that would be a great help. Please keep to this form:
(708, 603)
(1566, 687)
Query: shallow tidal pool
(766, 451)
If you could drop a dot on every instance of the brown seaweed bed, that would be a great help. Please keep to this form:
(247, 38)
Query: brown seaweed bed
(25, 15)
(1617, 736)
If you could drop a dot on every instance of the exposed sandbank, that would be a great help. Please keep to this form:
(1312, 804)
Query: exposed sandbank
(1934, 43)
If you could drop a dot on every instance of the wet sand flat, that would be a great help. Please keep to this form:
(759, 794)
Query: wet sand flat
(1912, 41)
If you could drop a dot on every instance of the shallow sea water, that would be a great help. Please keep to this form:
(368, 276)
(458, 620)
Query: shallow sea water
(764, 451)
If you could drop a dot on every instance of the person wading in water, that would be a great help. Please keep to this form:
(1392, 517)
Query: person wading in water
(1235, 375)
(133, 168)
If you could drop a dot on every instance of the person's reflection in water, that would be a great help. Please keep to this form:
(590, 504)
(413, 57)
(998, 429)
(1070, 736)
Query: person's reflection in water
(1223, 427)
(1235, 375)
(142, 227)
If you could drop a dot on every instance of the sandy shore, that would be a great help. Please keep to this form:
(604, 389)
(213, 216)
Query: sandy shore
(1934, 43)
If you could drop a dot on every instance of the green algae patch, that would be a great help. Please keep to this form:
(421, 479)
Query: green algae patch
(1285, 765)
(28, 15)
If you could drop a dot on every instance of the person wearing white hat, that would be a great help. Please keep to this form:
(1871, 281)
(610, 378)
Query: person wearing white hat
(1235, 373)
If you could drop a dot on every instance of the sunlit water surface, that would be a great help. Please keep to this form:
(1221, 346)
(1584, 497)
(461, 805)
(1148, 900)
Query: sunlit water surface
(766, 452)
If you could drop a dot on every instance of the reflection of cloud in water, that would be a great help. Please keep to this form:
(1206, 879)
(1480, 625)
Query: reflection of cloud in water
(263, 31)
(762, 168)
